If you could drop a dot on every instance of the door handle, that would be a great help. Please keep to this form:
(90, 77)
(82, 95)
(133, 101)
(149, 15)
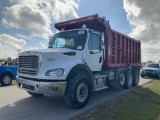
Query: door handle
(92, 52)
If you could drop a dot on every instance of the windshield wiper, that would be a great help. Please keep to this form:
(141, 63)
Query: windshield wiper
(67, 46)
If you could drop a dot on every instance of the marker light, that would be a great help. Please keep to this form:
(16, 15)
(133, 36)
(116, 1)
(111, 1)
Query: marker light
(62, 29)
(84, 26)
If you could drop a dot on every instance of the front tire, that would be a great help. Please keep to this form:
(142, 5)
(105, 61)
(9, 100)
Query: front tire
(35, 94)
(158, 75)
(6, 80)
(78, 91)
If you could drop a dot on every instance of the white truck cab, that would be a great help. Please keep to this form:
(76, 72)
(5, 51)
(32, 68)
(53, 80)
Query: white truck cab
(45, 71)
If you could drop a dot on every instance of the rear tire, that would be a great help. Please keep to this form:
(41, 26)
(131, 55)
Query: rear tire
(35, 94)
(6, 80)
(136, 77)
(120, 78)
(159, 76)
(78, 91)
(129, 79)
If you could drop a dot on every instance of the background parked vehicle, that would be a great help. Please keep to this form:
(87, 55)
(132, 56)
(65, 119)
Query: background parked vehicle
(11, 63)
(151, 69)
(7, 74)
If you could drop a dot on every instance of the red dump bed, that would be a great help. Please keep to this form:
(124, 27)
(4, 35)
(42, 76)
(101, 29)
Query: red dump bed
(120, 50)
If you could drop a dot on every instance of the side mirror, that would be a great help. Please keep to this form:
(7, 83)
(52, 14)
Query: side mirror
(50, 38)
(102, 47)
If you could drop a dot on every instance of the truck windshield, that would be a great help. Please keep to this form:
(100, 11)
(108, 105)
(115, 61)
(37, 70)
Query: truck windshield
(152, 65)
(70, 39)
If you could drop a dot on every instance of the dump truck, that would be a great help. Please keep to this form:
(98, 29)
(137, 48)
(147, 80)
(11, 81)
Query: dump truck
(85, 56)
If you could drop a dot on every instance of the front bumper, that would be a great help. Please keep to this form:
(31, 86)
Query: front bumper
(42, 87)
(145, 73)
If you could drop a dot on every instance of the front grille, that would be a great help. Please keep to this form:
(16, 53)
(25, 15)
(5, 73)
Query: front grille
(28, 64)
(148, 70)
(149, 73)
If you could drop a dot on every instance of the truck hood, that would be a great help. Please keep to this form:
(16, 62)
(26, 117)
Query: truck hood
(49, 50)
(50, 59)
(55, 55)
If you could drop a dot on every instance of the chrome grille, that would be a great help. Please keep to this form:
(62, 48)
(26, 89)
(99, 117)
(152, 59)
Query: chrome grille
(28, 64)
(148, 70)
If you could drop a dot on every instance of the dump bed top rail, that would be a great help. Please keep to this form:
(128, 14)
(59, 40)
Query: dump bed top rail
(92, 22)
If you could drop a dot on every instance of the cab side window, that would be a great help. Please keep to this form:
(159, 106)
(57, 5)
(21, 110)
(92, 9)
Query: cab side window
(93, 43)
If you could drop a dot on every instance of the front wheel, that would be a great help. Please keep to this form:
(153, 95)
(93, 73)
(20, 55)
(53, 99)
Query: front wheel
(35, 94)
(78, 92)
(6, 80)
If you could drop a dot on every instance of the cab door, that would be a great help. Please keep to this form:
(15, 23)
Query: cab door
(94, 54)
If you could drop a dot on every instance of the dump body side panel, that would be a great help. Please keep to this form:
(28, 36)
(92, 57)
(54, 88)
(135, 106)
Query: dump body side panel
(121, 50)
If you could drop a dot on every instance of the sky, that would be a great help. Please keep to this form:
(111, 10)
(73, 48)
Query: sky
(27, 24)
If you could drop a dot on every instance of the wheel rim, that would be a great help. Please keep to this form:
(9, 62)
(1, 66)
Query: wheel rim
(6, 80)
(82, 92)
(122, 79)
(130, 79)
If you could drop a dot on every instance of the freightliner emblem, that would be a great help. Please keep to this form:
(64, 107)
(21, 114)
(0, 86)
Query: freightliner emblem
(51, 59)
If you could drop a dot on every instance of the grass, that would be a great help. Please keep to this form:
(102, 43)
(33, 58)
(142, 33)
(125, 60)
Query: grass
(13, 82)
(142, 103)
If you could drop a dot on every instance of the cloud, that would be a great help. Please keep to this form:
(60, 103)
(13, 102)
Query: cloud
(144, 16)
(37, 16)
(24, 36)
(9, 45)
(43, 45)
(27, 17)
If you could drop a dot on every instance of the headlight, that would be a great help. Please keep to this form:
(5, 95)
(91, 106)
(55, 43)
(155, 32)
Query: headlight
(55, 72)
